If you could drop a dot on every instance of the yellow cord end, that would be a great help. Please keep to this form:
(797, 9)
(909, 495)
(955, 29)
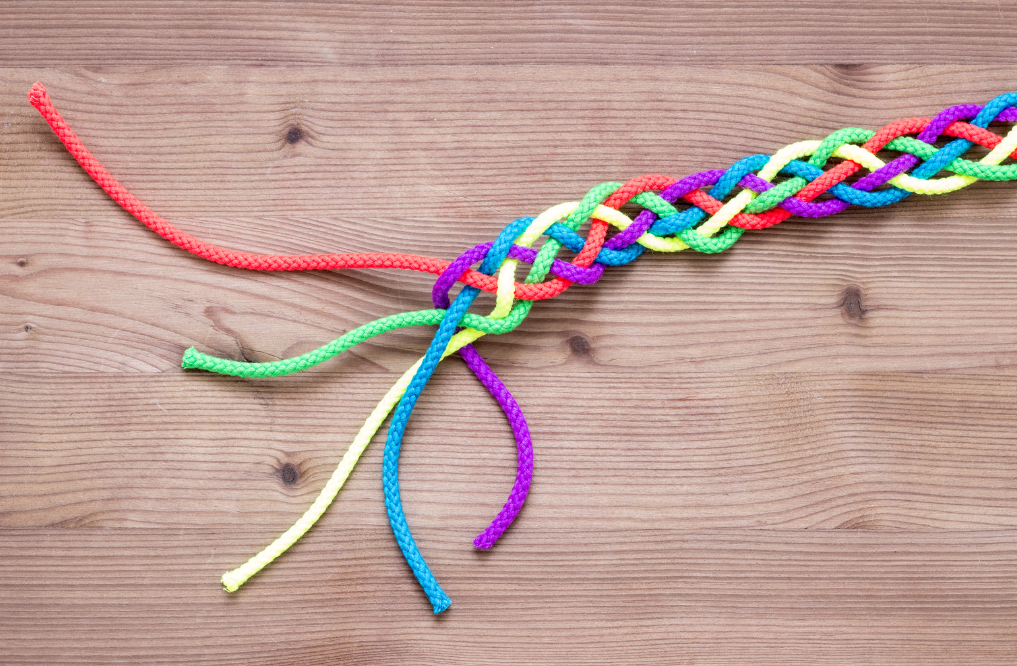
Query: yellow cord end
(231, 582)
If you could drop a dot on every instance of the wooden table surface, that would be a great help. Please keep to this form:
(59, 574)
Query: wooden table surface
(799, 451)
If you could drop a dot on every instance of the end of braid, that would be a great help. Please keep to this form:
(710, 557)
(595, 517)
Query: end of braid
(38, 96)
(231, 582)
(483, 541)
(441, 604)
(191, 359)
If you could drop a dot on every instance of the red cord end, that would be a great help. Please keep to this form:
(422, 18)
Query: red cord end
(37, 95)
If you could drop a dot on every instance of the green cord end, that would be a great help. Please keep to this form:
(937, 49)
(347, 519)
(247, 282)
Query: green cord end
(190, 359)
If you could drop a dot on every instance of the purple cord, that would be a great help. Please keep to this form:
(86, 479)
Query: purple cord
(487, 377)
(524, 445)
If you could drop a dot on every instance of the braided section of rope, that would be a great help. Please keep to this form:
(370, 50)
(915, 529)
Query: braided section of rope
(710, 220)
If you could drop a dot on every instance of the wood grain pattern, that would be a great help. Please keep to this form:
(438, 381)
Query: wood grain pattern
(794, 450)
(572, 32)
(800, 451)
(599, 596)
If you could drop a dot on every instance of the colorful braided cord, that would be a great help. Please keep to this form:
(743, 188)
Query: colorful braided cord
(710, 221)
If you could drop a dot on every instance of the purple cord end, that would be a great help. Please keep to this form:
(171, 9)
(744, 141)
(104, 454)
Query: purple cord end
(484, 541)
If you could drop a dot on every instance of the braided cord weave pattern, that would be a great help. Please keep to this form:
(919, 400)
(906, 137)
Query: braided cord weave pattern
(710, 220)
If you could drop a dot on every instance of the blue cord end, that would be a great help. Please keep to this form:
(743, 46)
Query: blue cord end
(440, 603)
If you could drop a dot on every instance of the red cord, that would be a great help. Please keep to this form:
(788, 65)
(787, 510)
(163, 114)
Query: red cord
(530, 292)
(270, 262)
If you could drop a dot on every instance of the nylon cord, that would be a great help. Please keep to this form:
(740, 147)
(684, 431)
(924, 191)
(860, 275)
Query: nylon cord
(710, 220)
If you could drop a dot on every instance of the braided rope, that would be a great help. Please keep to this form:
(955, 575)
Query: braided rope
(712, 221)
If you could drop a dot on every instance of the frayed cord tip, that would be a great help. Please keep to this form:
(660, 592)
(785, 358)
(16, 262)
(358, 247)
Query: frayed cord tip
(190, 358)
(229, 583)
(37, 94)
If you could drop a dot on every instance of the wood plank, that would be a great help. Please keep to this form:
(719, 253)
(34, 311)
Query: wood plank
(798, 450)
(413, 145)
(599, 596)
(866, 295)
(396, 33)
